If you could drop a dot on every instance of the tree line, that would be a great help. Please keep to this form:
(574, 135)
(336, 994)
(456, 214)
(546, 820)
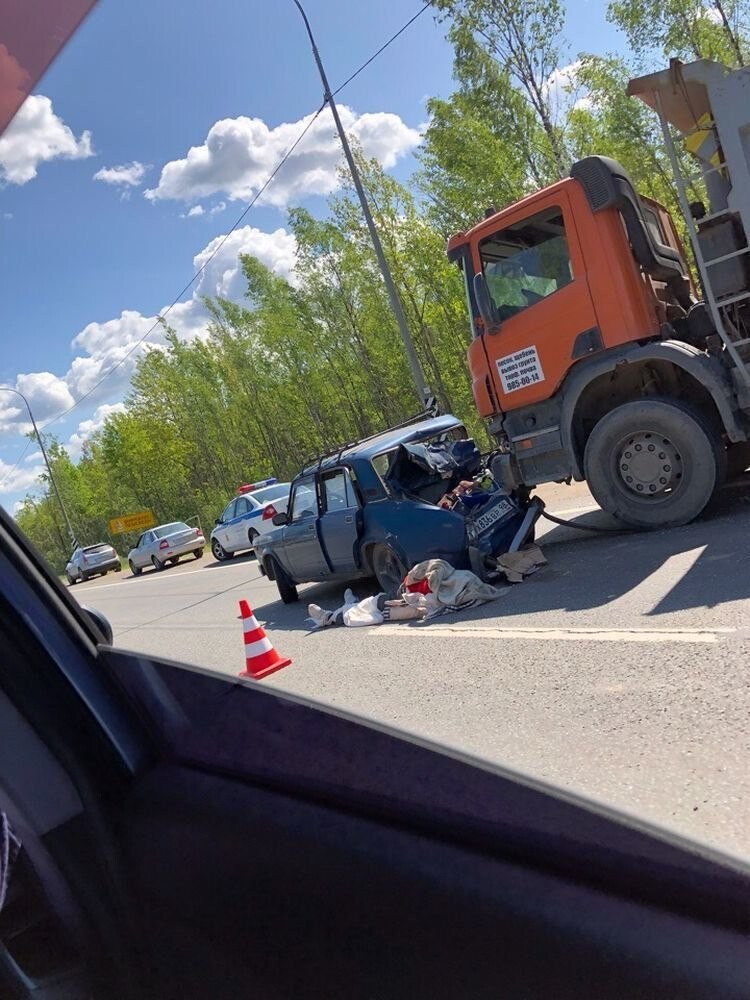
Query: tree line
(312, 362)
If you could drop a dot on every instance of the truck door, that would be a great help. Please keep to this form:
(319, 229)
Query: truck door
(536, 277)
(301, 543)
(339, 522)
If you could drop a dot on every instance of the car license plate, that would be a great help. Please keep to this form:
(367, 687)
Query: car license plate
(486, 520)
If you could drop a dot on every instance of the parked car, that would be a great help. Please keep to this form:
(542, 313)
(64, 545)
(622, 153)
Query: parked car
(247, 517)
(165, 544)
(371, 509)
(91, 560)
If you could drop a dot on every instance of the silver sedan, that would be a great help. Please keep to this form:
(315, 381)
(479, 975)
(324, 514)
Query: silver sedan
(165, 544)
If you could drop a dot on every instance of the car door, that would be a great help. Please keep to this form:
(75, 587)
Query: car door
(142, 554)
(302, 547)
(224, 528)
(237, 527)
(340, 521)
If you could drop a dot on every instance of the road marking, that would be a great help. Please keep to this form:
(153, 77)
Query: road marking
(683, 635)
(155, 575)
(574, 510)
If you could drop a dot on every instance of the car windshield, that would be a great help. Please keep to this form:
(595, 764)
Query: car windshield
(269, 493)
(171, 529)
(213, 277)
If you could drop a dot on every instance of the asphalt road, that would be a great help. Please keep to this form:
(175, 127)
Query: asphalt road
(619, 671)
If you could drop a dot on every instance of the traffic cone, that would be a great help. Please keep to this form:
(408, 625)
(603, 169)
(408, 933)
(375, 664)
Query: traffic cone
(261, 658)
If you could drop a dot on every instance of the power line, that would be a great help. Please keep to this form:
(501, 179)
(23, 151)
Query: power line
(165, 312)
(383, 47)
(13, 468)
(159, 320)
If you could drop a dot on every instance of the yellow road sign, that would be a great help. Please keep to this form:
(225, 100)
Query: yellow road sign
(132, 522)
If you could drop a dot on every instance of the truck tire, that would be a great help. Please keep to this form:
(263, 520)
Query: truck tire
(388, 569)
(287, 590)
(654, 463)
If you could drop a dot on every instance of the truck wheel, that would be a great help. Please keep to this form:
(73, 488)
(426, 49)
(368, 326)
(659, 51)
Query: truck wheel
(388, 569)
(654, 463)
(287, 590)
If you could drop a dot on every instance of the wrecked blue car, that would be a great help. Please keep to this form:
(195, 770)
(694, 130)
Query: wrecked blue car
(373, 508)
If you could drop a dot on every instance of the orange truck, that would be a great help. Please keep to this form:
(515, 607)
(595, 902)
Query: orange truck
(592, 357)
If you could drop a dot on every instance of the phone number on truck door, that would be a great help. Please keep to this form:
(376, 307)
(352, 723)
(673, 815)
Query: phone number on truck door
(520, 369)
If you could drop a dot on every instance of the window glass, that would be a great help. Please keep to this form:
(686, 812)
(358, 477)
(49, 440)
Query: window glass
(229, 511)
(170, 529)
(338, 490)
(304, 499)
(526, 262)
(276, 492)
(243, 506)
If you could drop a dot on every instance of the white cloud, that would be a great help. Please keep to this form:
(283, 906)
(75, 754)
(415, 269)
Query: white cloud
(17, 479)
(218, 207)
(36, 135)
(239, 154)
(563, 90)
(195, 211)
(7, 216)
(101, 345)
(88, 427)
(126, 175)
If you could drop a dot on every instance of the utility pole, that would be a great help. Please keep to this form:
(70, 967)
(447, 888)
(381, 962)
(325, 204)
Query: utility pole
(423, 393)
(71, 533)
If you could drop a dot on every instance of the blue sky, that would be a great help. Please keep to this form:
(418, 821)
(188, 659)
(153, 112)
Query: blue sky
(89, 262)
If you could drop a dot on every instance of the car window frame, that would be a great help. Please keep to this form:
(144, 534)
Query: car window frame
(349, 488)
(248, 506)
(224, 518)
(312, 477)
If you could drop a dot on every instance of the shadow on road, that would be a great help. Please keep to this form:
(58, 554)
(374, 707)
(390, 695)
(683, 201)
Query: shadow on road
(588, 571)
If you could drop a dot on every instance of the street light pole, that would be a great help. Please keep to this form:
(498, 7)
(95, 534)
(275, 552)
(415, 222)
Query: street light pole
(71, 533)
(423, 392)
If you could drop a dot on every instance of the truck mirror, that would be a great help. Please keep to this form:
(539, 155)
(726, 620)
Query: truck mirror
(487, 309)
(279, 519)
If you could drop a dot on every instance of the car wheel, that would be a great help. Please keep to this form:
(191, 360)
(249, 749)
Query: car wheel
(220, 554)
(198, 553)
(157, 564)
(71, 579)
(654, 463)
(388, 569)
(135, 570)
(287, 590)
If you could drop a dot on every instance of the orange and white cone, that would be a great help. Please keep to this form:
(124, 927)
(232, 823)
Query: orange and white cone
(261, 658)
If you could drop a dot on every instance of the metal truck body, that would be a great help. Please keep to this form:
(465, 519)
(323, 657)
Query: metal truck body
(592, 356)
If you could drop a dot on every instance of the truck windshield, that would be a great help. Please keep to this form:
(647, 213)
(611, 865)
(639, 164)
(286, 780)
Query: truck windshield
(526, 262)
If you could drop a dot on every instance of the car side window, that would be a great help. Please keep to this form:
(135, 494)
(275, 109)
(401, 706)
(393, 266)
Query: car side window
(145, 539)
(338, 490)
(304, 500)
(229, 511)
(242, 507)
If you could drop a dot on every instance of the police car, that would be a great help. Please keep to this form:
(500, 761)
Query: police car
(247, 517)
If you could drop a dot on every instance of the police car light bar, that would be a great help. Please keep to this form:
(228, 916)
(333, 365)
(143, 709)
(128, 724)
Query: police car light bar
(249, 487)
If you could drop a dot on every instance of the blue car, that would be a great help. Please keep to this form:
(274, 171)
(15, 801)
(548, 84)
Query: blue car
(372, 509)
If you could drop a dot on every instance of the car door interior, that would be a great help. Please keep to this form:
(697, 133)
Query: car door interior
(193, 835)
(340, 523)
(301, 542)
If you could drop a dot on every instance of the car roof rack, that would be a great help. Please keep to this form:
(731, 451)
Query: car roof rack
(339, 450)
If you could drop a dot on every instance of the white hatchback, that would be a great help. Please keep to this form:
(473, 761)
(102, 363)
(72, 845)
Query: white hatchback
(247, 517)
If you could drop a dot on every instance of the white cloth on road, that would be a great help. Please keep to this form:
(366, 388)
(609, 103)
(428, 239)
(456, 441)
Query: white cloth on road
(453, 589)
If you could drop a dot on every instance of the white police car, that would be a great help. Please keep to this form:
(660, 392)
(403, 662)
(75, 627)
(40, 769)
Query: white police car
(247, 517)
